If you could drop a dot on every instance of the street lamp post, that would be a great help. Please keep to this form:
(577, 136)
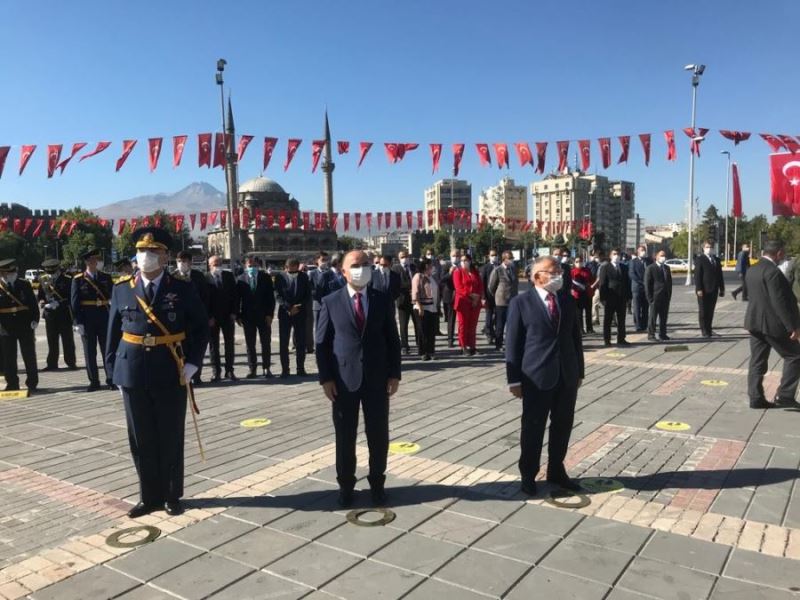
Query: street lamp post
(727, 197)
(233, 233)
(697, 71)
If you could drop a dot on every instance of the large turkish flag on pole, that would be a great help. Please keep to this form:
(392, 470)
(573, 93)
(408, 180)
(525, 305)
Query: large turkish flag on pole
(785, 179)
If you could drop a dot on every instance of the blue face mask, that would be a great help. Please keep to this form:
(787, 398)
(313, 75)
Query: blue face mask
(252, 271)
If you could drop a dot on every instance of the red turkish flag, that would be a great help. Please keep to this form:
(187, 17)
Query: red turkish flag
(524, 153)
(120, 226)
(154, 145)
(27, 226)
(483, 154)
(25, 154)
(563, 152)
(97, 150)
(785, 180)
(245, 218)
(294, 144)
(737, 191)
(203, 221)
(76, 147)
(316, 153)
(357, 217)
(419, 220)
(306, 219)
(458, 154)
(72, 227)
(179, 223)
(541, 152)
(775, 144)
(694, 146)
(436, 154)
(178, 144)
(4, 150)
(380, 220)
(146, 221)
(625, 143)
(62, 227)
(672, 153)
(282, 219)
(387, 219)
(38, 229)
(270, 219)
(501, 154)
(269, 146)
(369, 221)
(223, 218)
(220, 140)
(586, 154)
(294, 219)
(212, 218)
(244, 142)
(346, 218)
(645, 139)
(334, 220)
(127, 148)
(409, 220)
(398, 220)
(391, 152)
(204, 149)
(343, 147)
(403, 148)
(735, 136)
(362, 153)
(134, 223)
(605, 151)
(53, 158)
(790, 143)
(192, 220)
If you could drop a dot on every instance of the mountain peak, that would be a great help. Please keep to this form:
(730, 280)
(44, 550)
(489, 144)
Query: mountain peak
(198, 196)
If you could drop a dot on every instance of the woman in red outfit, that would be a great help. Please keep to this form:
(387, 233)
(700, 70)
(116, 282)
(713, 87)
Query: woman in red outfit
(582, 291)
(467, 303)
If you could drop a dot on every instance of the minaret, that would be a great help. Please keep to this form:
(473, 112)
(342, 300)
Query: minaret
(327, 168)
(232, 180)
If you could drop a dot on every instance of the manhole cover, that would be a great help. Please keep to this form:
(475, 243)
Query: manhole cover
(371, 517)
(131, 537)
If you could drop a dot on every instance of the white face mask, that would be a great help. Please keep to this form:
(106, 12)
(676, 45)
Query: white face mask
(615, 259)
(429, 256)
(147, 261)
(324, 266)
(564, 260)
(493, 260)
(10, 278)
(707, 251)
(455, 260)
(360, 276)
(99, 266)
(184, 267)
(555, 283)
(404, 262)
(385, 270)
(661, 260)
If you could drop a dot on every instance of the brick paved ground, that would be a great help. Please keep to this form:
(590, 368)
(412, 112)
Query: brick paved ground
(710, 512)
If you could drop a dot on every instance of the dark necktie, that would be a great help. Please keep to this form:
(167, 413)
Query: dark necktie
(359, 309)
(552, 309)
(149, 292)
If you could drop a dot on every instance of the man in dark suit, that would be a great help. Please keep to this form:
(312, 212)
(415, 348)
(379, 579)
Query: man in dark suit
(358, 357)
(489, 324)
(293, 293)
(185, 272)
(615, 291)
(385, 280)
(545, 368)
(405, 309)
(773, 320)
(157, 335)
(503, 286)
(19, 318)
(323, 282)
(54, 300)
(256, 311)
(640, 304)
(742, 264)
(658, 292)
(709, 286)
(224, 309)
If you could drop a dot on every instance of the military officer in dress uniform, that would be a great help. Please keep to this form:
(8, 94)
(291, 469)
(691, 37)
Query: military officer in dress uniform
(157, 335)
(90, 297)
(19, 317)
(54, 294)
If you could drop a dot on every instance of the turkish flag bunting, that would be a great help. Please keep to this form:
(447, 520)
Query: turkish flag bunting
(483, 154)
(419, 220)
(398, 220)
(409, 220)
(127, 148)
(120, 226)
(586, 154)
(97, 150)
(343, 147)
(244, 142)
(204, 149)
(362, 153)
(306, 219)
(203, 221)
(270, 219)
(387, 219)
(735, 136)
(212, 218)
(672, 153)
(625, 143)
(282, 219)
(458, 154)
(72, 227)
(737, 191)
(541, 152)
(220, 139)
(294, 219)
(27, 226)
(785, 180)
(391, 152)
(269, 146)
(316, 152)
(245, 218)
(235, 219)
(294, 144)
(324, 220)
(103, 222)
(775, 144)
(53, 158)
(346, 221)
(380, 220)
(369, 220)
(403, 148)
(790, 143)
(605, 151)
(192, 220)
(4, 150)
(76, 147)
(223, 218)
(501, 154)
(24, 156)
(317, 221)
(358, 221)
(146, 221)
(63, 226)
(38, 229)
(645, 139)
(563, 152)
(694, 147)
(259, 219)
(154, 145)
(178, 144)
(436, 154)
(334, 220)
(524, 154)
(179, 223)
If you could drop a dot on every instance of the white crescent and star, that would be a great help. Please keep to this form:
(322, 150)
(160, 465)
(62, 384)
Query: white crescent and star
(792, 164)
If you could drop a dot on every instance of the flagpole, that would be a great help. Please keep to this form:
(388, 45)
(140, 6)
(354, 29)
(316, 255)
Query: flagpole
(697, 71)
(727, 198)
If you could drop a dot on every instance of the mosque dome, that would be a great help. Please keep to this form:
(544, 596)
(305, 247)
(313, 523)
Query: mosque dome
(261, 185)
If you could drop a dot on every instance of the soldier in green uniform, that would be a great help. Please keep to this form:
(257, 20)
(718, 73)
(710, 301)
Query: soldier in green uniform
(54, 292)
(19, 317)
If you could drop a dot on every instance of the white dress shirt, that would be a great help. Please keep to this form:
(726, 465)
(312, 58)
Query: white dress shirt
(542, 293)
(156, 282)
(364, 301)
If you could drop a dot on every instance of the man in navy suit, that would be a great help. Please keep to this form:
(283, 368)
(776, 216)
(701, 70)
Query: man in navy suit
(544, 366)
(358, 357)
(256, 310)
(385, 279)
(293, 295)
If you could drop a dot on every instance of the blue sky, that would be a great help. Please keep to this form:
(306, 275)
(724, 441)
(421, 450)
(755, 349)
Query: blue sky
(416, 71)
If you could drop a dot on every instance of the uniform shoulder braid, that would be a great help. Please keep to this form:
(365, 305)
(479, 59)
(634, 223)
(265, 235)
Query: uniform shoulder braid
(124, 279)
(77, 275)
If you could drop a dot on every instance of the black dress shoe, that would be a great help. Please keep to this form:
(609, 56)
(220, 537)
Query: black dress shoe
(607, 344)
(623, 344)
(48, 368)
(216, 379)
(652, 338)
(231, 376)
(141, 509)
(32, 388)
(284, 374)
(93, 387)
(780, 402)
(760, 403)
(734, 293)
(528, 487)
(345, 499)
(426, 357)
(12, 388)
(562, 480)
(173, 507)
(250, 375)
(378, 496)
(268, 374)
(302, 372)
(72, 367)
(472, 352)
(665, 338)
(197, 382)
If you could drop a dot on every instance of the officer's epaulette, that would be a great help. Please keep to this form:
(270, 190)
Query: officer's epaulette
(124, 279)
(78, 275)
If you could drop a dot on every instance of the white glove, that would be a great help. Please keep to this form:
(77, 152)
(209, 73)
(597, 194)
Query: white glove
(34, 324)
(188, 371)
(51, 305)
(79, 330)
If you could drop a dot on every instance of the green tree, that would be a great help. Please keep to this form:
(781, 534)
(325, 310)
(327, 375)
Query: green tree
(484, 239)
(347, 243)
(679, 245)
(787, 229)
(124, 246)
(85, 235)
(28, 255)
(441, 243)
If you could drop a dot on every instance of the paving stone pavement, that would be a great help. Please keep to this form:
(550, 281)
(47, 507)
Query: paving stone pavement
(709, 512)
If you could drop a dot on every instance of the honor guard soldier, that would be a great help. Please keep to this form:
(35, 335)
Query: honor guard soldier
(19, 317)
(90, 297)
(123, 267)
(157, 335)
(54, 293)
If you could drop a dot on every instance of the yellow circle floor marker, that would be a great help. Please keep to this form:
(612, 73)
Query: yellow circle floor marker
(403, 448)
(599, 485)
(673, 426)
(615, 355)
(714, 382)
(255, 422)
(13, 395)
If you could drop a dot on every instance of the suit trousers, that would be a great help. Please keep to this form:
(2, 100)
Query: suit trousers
(427, 337)
(501, 313)
(610, 310)
(706, 306)
(227, 329)
(156, 419)
(264, 332)
(94, 336)
(375, 403)
(59, 325)
(27, 347)
(404, 315)
(742, 288)
(789, 351)
(489, 323)
(640, 308)
(537, 405)
(468, 326)
(292, 325)
(659, 309)
(311, 321)
(450, 317)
